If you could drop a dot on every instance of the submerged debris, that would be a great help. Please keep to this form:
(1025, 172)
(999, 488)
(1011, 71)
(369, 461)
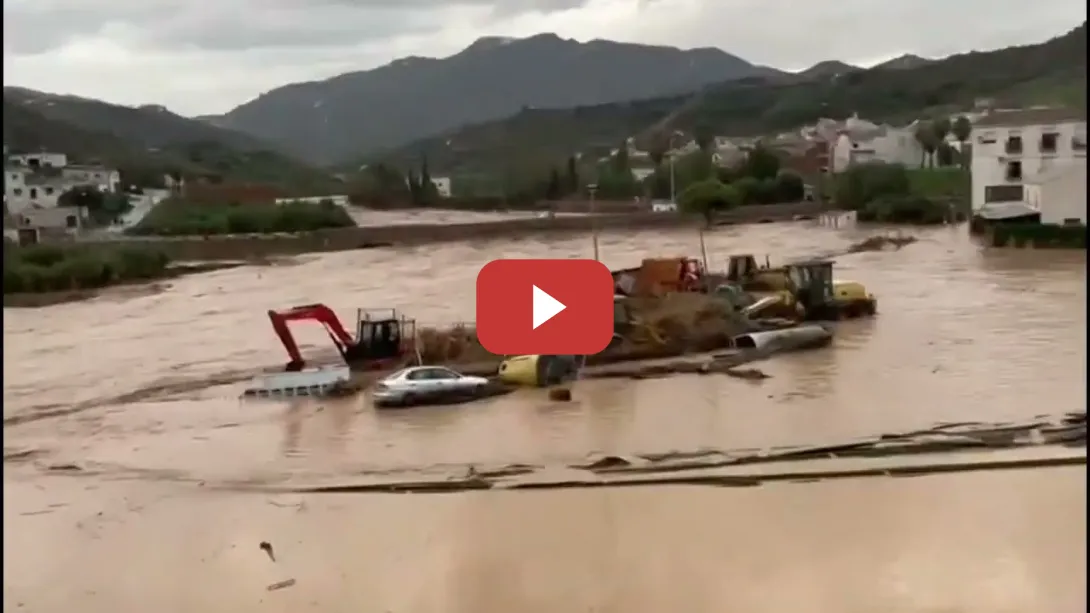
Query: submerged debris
(880, 243)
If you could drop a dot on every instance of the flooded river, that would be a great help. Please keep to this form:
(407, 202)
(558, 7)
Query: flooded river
(147, 386)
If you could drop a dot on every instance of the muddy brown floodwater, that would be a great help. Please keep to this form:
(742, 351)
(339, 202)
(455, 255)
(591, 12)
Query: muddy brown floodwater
(141, 394)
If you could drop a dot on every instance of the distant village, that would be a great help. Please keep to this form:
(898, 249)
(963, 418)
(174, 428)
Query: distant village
(1013, 156)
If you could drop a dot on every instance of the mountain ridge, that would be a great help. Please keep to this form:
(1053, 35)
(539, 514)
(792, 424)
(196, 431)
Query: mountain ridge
(353, 113)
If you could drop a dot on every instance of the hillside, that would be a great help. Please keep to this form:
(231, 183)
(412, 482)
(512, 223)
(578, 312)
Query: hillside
(1050, 72)
(148, 139)
(827, 69)
(353, 114)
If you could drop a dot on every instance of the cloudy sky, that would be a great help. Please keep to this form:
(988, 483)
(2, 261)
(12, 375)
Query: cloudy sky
(208, 56)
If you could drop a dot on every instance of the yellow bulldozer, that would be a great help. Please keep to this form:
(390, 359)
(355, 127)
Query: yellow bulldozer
(803, 290)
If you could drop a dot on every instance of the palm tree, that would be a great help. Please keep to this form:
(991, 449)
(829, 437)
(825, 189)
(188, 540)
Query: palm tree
(962, 128)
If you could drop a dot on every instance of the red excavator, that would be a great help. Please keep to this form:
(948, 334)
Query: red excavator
(383, 338)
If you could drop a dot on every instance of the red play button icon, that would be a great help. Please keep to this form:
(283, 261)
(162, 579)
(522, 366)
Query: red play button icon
(544, 307)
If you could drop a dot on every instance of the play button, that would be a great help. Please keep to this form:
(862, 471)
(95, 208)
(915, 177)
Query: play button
(545, 307)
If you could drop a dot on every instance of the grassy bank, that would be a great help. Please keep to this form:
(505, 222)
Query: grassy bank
(890, 193)
(52, 268)
(181, 218)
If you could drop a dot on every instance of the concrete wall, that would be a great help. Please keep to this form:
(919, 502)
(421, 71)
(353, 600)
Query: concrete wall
(251, 246)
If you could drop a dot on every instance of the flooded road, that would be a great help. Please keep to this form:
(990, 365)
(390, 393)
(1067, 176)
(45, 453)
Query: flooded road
(963, 334)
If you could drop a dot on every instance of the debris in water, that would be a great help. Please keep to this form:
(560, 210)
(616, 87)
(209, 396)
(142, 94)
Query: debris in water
(560, 394)
(266, 546)
(879, 243)
(279, 585)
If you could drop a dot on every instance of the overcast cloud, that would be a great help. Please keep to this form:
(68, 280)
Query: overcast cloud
(208, 56)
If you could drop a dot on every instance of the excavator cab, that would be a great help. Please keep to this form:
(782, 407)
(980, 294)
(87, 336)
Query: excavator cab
(742, 267)
(811, 284)
(380, 336)
(383, 338)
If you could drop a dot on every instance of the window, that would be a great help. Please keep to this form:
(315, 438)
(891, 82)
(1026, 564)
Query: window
(1049, 140)
(18, 191)
(987, 138)
(49, 191)
(1078, 142)
(1003, 193)
(71, 221)
(1014, 171)
(1073, 221)
(1014, 144)
(33, 193)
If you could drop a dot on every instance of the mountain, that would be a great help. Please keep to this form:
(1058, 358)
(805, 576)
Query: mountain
(1053, 72)
(356, 113)
(905, 61)
(827, 69)
(145, 139)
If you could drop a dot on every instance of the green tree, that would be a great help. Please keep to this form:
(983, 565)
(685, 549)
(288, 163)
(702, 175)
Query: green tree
(427, 194)
(925, 135)
(941, 128)
(945, 155)
(572, 180)
(962, 129)
(708, 197)
(620, 161)
(704, 137)
(103, 208)
(789, 187)
(760, 163)
(554, 189)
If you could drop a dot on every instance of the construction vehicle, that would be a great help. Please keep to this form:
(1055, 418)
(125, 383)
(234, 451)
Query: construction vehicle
(384, 339)
(658, 276)
(811, 294)
(744, 271)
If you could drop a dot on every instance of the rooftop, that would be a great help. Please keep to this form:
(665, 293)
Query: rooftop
(1031, 117)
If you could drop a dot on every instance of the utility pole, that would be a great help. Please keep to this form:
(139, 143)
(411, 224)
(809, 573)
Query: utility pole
(593, 187)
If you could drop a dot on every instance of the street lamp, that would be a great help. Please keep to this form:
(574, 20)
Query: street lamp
(591, 189)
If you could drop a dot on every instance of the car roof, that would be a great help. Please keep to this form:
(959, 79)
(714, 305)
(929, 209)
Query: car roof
(411, 369)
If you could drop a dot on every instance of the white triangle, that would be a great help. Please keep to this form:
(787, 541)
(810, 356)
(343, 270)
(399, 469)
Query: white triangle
(545, 307)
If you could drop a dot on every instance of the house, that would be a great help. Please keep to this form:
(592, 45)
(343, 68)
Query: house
(860, 141)
(1012, 149)
(37, 161)
(1059, 195)
(442, 186)
(105, 179)
(31, 224)
(37, 180)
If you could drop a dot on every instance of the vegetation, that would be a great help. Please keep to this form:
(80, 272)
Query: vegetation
(147, 143)
(1038, 236)
(102, 208)
(48, 268)
(174, 217)
(757, 180)
(709, 197)
(1052, 72)
(890, 193)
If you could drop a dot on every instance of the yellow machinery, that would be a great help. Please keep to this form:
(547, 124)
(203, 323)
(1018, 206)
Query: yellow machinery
(540, 370)
(807, 290)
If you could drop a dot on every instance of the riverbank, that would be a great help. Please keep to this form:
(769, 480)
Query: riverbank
(242, 247)
(144, 286)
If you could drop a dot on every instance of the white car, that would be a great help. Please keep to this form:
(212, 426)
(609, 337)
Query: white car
(420, 384)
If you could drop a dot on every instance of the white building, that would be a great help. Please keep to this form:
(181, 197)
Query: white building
(442, 186)
(39, 160)
(1013, 149)
(860, 141)
(1059, 195)
(36, 180)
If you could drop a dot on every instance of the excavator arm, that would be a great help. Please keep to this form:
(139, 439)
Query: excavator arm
(317, 312)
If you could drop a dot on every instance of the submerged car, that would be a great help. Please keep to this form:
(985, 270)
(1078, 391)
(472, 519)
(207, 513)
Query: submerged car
(424, 384)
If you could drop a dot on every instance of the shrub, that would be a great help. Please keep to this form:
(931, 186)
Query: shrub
(179, 218)
(45, 268)
(858, 185)
(905, 209)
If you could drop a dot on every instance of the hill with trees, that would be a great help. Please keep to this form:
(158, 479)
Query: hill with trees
(1052, 72)
(350, 115)
(147, 141)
